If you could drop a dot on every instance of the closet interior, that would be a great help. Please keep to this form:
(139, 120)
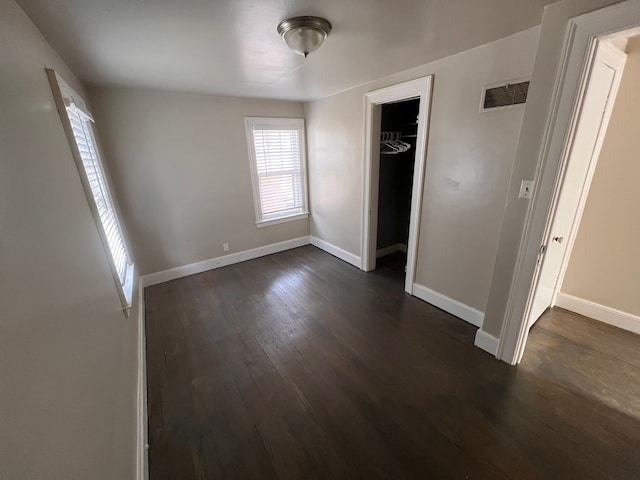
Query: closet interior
(399, 127)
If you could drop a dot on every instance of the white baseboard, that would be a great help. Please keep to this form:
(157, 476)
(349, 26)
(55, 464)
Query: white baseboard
(609, 315)
(336, 251)
(398, 247)
(223, 261)
(142, 457)
(486, 342)
(454, 307)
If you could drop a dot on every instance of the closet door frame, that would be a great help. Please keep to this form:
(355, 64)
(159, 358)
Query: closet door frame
(419, 88)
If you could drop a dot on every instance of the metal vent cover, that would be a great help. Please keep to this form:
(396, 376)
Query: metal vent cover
(504, 95)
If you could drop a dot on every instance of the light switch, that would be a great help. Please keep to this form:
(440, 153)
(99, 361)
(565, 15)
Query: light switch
(526, 189)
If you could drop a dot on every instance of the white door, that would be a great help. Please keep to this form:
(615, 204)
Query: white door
(599, 95)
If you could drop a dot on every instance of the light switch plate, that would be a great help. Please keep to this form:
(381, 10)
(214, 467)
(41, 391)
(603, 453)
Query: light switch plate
(526, 189)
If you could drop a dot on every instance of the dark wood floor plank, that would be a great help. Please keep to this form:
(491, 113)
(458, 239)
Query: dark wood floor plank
(298, 365)
(589, 333)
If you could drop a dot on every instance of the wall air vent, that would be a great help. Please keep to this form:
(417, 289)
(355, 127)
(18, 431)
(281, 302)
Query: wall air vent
(504, 95)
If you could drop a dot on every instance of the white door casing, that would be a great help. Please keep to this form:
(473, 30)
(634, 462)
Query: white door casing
(414, 89)
(593, 118)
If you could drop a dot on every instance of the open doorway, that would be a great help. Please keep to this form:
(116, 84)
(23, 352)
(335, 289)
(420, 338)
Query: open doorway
(596, 284)
(596, 276)
(396, 127)
(600, 279)
(399, 127)
(589, 34)
(592, 120)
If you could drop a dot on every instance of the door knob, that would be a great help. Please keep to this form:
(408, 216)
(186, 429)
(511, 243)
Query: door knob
(558, 239)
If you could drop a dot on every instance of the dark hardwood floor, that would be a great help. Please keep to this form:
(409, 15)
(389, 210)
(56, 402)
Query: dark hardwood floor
(298, 365)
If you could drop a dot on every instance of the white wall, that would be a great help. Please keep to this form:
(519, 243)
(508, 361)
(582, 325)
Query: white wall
(605, 259)
(180, 166)
(67, 353)
(469, 160)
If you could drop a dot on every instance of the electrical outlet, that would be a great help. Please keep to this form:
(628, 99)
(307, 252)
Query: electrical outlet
(526, 189)
(225, 247)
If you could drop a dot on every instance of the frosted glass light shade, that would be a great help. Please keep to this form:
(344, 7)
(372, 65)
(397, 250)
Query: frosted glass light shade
(304, 35)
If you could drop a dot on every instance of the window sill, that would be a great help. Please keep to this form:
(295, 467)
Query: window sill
(288, 218)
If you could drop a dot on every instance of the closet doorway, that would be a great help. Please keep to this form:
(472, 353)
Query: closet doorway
(396, 132)
(399, 127)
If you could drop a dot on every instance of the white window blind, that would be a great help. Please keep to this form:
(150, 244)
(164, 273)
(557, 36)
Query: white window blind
(84, 139)
(77, 124)
(277, 148)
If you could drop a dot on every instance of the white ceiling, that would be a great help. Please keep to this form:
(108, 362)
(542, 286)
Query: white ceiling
(230, 47)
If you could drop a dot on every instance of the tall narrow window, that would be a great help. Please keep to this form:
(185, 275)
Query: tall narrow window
(77, 123)
(277, 153)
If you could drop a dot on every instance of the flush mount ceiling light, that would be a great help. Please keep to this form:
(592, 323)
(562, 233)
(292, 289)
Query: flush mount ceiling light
(304, 35)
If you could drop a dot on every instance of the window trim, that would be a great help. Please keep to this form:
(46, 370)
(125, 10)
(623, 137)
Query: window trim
(125, 291)
(291, 215)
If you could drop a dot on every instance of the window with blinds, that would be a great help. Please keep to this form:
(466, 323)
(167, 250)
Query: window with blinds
(276, 147)
(77, 123)
(95, 176)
